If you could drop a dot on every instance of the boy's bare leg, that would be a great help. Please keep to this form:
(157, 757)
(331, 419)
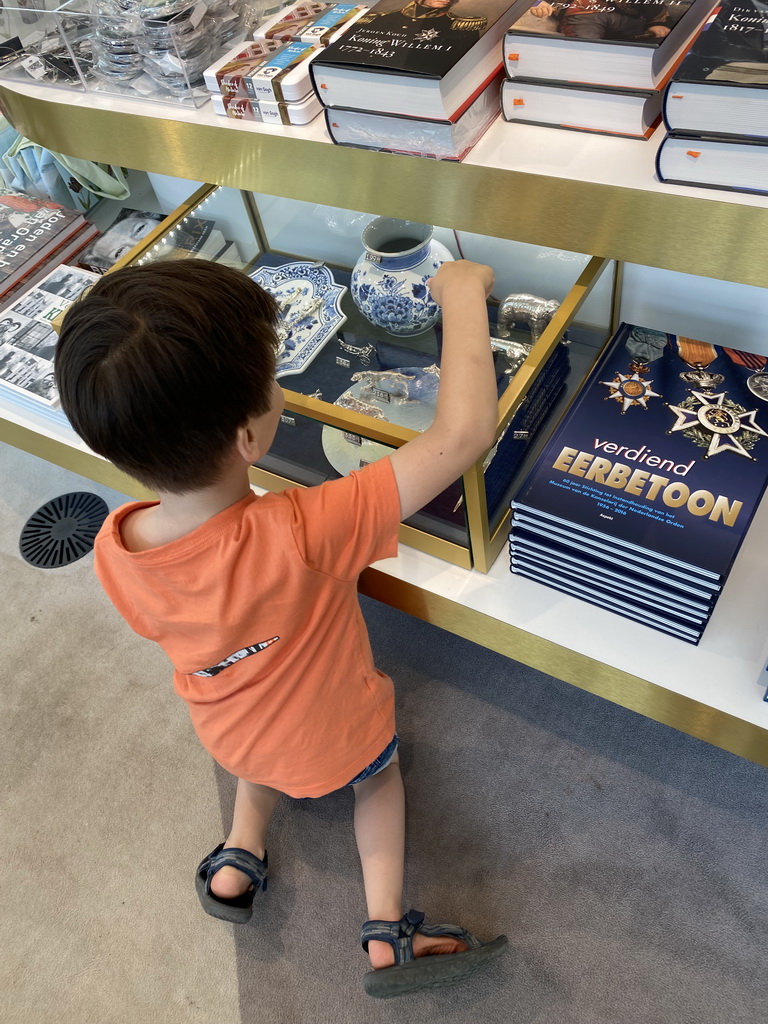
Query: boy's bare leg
(254, 805)
(380, 835)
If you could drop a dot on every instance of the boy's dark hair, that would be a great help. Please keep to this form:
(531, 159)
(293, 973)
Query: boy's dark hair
(158, 366)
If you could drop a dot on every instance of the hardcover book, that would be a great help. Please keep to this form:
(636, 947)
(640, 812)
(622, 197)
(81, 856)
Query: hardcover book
(734, 164)
(125, 232)
(30, 231)
(626, 112)
(438, 140)
(721, 87)
(632, 44)
(662, 458)
(425, 59)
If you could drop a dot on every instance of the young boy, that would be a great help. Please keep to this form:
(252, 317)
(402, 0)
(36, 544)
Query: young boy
(168, 370)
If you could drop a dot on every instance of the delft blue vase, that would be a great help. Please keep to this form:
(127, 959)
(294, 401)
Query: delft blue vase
(389, 282)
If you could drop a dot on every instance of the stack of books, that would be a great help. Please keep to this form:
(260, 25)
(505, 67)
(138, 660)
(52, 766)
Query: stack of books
(593, 66)
(28, 341)
(194, 236)
(35, 235)
(416, 77)
(268, 79)
(642, 496)
(716, 105)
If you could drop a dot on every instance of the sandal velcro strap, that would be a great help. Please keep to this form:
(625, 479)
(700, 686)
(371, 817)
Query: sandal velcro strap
(234, 857)
(399, 934)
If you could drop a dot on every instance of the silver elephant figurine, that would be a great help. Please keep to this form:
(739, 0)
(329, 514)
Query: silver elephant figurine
(529, 309)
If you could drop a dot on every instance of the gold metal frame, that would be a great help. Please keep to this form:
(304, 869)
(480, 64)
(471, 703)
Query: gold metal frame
(602, 679)
(704, 236)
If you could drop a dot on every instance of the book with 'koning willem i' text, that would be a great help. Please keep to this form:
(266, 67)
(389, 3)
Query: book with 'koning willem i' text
(421, 60)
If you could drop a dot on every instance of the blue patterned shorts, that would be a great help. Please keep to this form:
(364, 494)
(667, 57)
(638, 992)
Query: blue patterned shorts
(379, 764)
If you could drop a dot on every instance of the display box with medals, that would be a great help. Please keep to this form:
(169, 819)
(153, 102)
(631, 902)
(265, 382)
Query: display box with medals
(641, 499)
(360, 345)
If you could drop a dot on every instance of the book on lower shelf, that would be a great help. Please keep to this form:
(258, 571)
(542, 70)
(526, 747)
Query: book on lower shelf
(423, 60)
(733, 164)
(625, 112)
(193, 237)
(629, 44)
(28, 338)
(395, 133)
(721, 87)
(125, 231)
(643, 495)
(31, 231)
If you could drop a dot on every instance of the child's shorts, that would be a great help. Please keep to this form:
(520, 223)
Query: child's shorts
(379, 764)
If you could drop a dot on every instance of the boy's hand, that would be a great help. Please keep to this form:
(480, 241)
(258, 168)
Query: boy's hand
(457, 275)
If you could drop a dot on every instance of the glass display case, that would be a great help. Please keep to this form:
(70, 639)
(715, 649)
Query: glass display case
(152, 49)
(360, 378)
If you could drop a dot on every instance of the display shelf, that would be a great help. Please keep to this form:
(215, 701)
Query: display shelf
(570, 190)
(713, 691)
(562, 189)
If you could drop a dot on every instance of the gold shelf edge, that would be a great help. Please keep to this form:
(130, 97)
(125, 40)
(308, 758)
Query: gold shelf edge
(520, 384)
(646, 698)
(649, 227)
(84, 463)
(337, 416)
(632, 692)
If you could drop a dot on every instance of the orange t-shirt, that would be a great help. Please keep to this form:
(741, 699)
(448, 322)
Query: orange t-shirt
(258, 611)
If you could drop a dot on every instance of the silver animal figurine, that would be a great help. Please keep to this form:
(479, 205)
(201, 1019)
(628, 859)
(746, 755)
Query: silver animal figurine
(402, 387)
(514, 351)
(520, 307)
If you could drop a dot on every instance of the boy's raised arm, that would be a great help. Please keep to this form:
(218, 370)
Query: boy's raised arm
(465, 418)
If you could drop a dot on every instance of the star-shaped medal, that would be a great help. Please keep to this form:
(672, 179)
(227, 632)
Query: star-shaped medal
(630, 390)
(720, 418)
(427, 34)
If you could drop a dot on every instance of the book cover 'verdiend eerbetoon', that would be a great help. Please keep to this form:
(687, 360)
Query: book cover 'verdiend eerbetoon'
(664, 448)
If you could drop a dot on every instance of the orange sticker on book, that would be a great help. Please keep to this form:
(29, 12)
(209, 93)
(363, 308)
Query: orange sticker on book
(694, 152)
(676, 96)
(518, 103)
(513, 56)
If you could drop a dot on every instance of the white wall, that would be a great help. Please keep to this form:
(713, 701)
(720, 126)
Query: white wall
(718, 312)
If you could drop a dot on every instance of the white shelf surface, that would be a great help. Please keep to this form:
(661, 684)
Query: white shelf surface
(723, 672)
(530, 149)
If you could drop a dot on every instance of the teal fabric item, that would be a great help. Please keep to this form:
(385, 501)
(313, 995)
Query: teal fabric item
(78, 184)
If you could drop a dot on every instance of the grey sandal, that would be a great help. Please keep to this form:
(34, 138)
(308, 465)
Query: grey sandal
(239, 909)
(410, 974)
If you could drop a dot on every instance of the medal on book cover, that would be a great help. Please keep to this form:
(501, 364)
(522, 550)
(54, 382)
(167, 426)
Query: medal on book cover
(757, 382)
(712, 421)
(630, 389)
(698, 355)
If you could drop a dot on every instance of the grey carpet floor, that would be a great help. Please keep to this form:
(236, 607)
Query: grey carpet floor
(625, 861)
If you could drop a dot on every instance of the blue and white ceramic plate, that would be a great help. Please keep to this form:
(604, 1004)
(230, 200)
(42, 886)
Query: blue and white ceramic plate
(310, 307)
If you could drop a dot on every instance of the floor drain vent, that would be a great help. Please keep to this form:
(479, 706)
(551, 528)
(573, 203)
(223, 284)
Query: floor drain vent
(62, 530)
